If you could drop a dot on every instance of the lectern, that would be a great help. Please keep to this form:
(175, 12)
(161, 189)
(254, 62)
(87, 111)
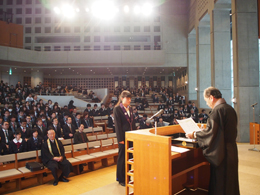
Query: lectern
(157, 170)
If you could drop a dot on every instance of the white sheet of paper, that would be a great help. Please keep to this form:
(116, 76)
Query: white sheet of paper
(188, 125)
(184, 139)
(179, 149)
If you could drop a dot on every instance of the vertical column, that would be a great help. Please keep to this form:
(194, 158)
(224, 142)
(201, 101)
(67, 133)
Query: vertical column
(220, 52)
(245, 63)
(36, 78)
(203, 63)
(192, 69)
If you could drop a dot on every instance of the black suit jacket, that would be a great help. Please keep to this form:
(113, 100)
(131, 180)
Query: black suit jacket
(110, 122)
(10, 136)
(78, 137)
(121, 123)
(66, 131)
(26, 134)
(88, 123)
(42, 133)
(34, 146)
(57, 131)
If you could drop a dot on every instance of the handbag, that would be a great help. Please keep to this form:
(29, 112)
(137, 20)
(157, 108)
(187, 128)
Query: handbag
(34, 166)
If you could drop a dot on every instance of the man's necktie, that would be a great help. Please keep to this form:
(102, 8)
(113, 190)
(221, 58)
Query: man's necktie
(35, 141)
(82, 137)
(6, 137)
(70, 127)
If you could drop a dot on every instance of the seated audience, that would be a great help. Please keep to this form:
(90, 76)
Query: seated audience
(160, 123)
(53, 157)
(6, 135)
(35, 142)
(18, 144)
(69, 129)
(80, 136)
(87, 121)
(111, 123)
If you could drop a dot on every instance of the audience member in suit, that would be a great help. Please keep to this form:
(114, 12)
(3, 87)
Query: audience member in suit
(194, 115)
(87, 121)
(161, 106)
(80, 137)
(25, 133)
(189, 106)
(140, 106)
(142, 121)
(136, 115)
(20, 117)
(138, 99)
(6, 135)
(195, 108)
(111, 123)
(6, 116)
(29, 124)
(3, 149)
(77, 122)
(145, 103)
(53, 157)
(110, 108)
(201, 119)
(42, 131)
(182, 101)
(56, 127)
(18, 144)
(155, 99)
(88, 109)
(69, 129)
(35, 142)
(13, 124)
(170, 102)
(18, 85)
(95, 111)
(103, 110)
(160, 123)
(147, 125)
(204, 114)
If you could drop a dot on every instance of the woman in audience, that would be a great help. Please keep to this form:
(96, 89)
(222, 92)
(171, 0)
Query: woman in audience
(17, 145)
(124, 121)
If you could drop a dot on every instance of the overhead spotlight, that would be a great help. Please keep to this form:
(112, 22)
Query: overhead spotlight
(137, 9)
(56, 10)
(87, 9)
(147, 9)
(77, 10)
(126, 8)
(68, 11)
(104, 9)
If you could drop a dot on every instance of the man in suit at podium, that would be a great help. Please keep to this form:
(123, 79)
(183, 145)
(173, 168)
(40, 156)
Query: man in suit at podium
(218, 142)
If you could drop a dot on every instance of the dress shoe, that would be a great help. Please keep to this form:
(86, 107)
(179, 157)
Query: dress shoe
(122, 183)
(55, 183)
(64, 179)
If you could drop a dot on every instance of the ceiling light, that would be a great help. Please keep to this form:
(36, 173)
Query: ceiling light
(137, 9)
(56, 10)
(104, 9)
(68, 11)
(147, 9)
(126, 8)
(87, 9)
(90, 70)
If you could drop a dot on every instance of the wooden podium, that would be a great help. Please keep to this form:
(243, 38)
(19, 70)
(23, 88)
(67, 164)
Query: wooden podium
(257, 133)
(156, 170)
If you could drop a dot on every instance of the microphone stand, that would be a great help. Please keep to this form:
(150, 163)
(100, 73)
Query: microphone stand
(254, 149)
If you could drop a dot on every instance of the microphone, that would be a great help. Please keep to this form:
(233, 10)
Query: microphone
(156, 114)
(254, 104)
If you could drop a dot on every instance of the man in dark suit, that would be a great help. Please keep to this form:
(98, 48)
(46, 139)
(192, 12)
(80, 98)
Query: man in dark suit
(194, 115)
(13, 124)
(35, 142)
(53, 157)
(42, 131)
(170, 102)
(195, 108)
(161, 106)
(155, 99)
(138, 99)
(56, 127)
(88, 109)
(25, 133)
(142, 121)
(69, 129)
(6, 135)
(80, 136)
(95, 111)
(103, 110)
(19, 85)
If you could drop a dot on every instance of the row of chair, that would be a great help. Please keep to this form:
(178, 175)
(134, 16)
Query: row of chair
(13, 167)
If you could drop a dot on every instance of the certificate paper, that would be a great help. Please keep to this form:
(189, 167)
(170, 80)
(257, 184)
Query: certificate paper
(188, 125)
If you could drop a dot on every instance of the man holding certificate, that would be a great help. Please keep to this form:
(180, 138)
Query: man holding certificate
(218, 142)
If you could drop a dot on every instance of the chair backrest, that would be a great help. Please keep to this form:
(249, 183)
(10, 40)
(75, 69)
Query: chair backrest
(94, 144)
(147, 109)
(101, 136)
(87, 130)
(97, 129)
(79, 146)
(97, 117)
(107, 142)
(66, 141)
(92, 138)
(7, 158)
(110, 135)
(115, 140)
(39, 153)
(104, 117)
(68, 148)
(25, 155)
